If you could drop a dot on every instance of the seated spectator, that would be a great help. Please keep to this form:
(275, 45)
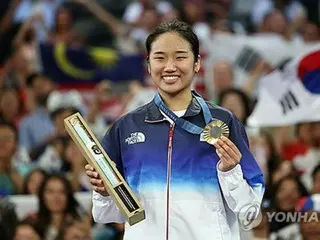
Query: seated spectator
(287, 193)
(33, 181)
(10, 106)
(11, 174)
(291, 9)
(36, 128)
(57, 207)
(134, 10)
(139, 96)
(307, 162)
(76, 174)
(77, 231)
(60, 106)
(63, 31)
(237, 102)
(26, 230)
(222, 79)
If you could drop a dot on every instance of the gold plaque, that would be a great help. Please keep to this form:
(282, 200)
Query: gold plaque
(95, 155)
(214, 130)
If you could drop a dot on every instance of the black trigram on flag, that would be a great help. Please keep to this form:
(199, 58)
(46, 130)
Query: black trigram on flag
(288, 102)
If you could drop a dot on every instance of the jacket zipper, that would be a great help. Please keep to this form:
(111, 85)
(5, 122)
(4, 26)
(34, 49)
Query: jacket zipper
(169, 177)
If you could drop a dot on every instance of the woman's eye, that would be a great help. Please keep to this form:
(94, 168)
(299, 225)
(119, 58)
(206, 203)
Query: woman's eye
(158, 58)
(180, 57)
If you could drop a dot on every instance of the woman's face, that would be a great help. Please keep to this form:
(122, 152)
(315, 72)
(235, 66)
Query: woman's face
(64, 19)
(233, 103)
(171, 64)
(9, 104)
(34, 183)
(7, 142)
(287, 195)
(55, 196)
(26, 232)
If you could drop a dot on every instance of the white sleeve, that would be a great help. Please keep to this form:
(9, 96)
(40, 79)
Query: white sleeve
(238, 194)
(104, 210)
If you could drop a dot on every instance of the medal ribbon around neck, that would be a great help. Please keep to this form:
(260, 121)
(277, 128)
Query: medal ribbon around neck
(213, 130)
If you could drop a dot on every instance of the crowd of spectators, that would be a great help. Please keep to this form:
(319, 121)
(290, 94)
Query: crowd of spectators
(37, 156)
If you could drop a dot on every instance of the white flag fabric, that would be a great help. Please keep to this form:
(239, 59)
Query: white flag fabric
(287, 97)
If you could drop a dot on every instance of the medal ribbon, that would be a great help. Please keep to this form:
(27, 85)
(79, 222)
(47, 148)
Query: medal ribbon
(185, 124)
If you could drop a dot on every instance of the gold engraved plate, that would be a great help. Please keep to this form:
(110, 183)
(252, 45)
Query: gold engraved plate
(95, 155)
(214, 130)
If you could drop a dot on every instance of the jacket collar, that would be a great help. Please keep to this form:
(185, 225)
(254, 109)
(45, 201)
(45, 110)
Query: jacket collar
(154, 115)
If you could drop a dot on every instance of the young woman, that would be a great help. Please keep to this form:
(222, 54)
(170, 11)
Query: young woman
(188, 188)
(57, 207)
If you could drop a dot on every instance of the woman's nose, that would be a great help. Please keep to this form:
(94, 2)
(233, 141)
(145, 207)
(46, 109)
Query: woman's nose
(170, 66)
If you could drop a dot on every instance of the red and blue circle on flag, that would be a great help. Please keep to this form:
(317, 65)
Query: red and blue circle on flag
(309, 71)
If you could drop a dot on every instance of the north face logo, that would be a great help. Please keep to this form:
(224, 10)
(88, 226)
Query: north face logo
(136, 137)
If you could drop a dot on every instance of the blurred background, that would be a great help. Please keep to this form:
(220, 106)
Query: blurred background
(260, 59)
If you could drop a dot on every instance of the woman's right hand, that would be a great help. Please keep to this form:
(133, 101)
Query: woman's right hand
(96, 181)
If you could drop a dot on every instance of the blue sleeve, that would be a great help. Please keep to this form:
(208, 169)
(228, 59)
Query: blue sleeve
(111, 144)
(25, 140)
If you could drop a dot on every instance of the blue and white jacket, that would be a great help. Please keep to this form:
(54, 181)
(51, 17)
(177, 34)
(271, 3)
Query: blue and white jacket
(176, 179)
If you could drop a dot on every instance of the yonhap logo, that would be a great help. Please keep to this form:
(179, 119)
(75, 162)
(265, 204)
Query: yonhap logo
(137, 137)
(249, 216)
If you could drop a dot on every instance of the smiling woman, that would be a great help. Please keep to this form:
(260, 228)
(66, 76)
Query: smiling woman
(189, 189)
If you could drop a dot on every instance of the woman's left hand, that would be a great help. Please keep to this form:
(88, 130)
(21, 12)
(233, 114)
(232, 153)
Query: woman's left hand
(228, 153)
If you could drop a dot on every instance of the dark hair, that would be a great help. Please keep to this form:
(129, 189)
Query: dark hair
(30, 223)
(315, 171)
(244, 99)
(28, 177)
(44, 214)
(301, 188)
(175, 26)
(4, 123)
(30, 79)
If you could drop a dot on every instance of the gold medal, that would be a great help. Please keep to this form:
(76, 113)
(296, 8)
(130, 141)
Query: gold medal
(214, 130)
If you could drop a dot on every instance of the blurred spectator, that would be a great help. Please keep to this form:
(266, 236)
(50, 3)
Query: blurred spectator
(26, 230)
(290, 8)
(307, 162)
(273, 24)
(310, 228)
(310, 32)
(237, 102)
(57, 207)
(106, 103)
(299, 145)
(10, 106)
(60, 106)
(134, 10)
(77, 231)
(222, 78)
(8, 219)
(287, 193)
(33, 181)
(263, 149)
(10, 177)
(129, 38)
(63, 31)
(139, 95)
(36, 128)
(77, 162)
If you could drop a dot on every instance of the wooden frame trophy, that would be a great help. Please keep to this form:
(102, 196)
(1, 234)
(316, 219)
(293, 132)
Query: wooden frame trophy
(95, 155)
